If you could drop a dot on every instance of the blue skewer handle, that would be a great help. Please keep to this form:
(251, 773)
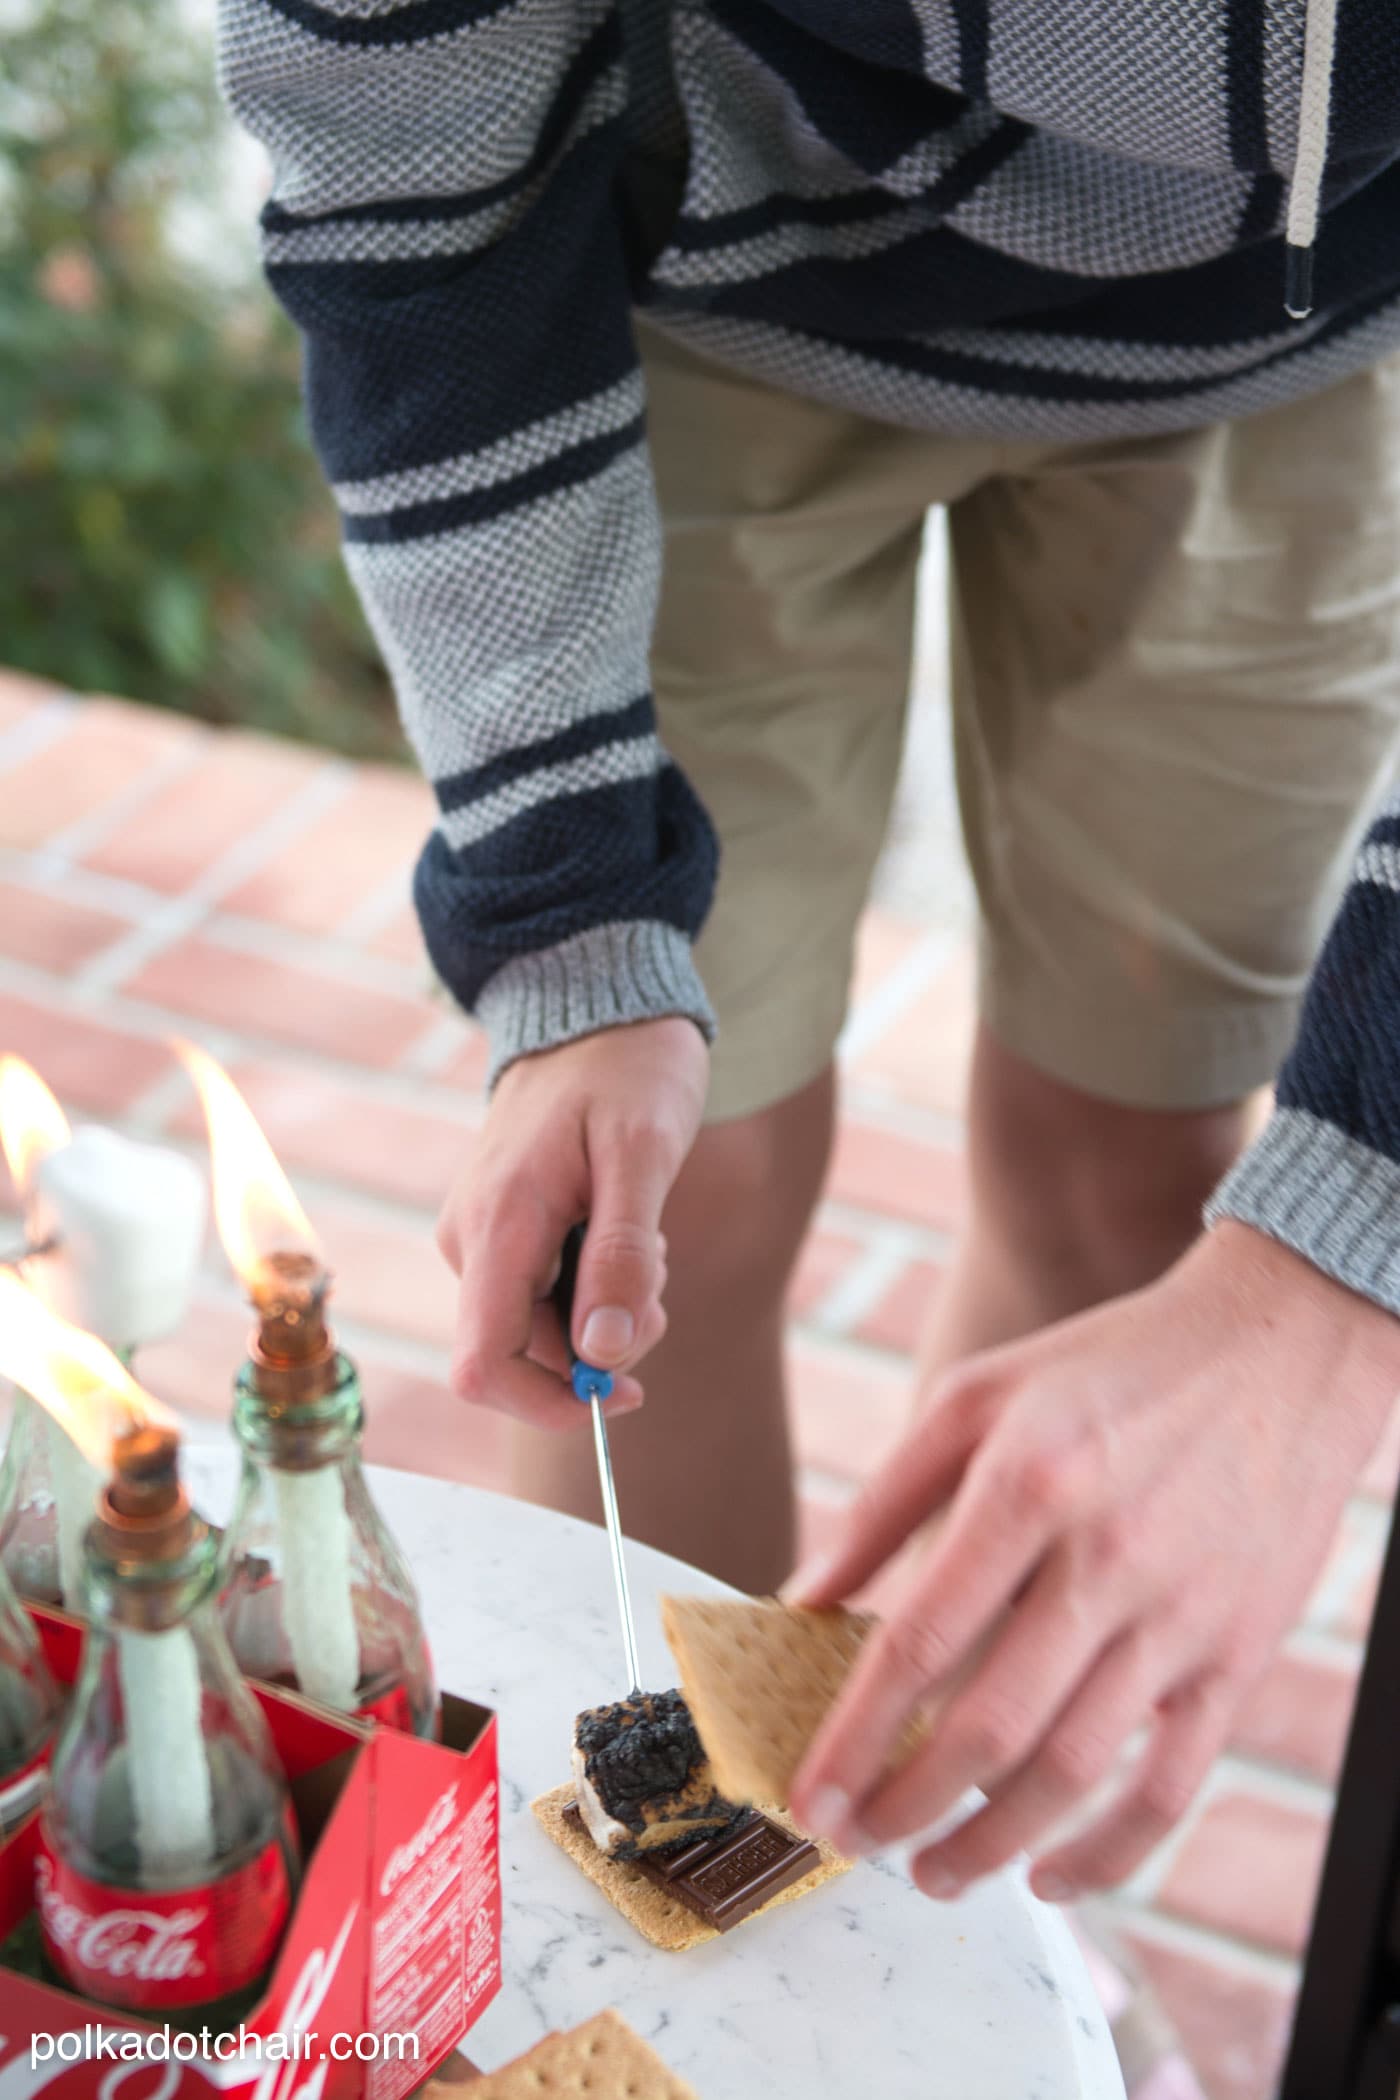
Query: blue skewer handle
(588, 1381)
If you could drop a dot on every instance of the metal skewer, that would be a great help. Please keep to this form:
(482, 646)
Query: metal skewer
(594, 1387)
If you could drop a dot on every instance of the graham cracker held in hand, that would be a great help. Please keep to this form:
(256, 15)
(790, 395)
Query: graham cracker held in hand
(659, 1917)
(759, 1678)
(603, 2059)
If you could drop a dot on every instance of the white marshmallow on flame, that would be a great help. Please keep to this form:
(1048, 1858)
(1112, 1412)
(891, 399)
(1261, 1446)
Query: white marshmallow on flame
(127, 1222)
(124, 1224)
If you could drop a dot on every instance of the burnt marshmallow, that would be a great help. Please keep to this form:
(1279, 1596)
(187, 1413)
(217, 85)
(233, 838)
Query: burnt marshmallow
(641, 1778)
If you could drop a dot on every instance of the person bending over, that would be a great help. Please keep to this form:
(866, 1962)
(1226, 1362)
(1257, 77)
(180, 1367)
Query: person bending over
(640, 338)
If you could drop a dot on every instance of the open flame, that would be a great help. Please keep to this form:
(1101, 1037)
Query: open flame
(73, 1375)
(255, 1207)
(31, 1122)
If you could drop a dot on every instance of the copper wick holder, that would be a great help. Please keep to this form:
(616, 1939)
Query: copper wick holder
(292, 1352)
(143, 1512)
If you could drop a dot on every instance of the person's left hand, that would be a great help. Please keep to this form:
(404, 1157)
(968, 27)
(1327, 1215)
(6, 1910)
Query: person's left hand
(1137, 1503)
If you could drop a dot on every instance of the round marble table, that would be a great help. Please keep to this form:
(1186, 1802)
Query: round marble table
(864, 1989)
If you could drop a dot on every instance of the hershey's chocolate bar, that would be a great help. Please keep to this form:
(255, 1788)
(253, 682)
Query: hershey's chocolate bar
(726, 1879)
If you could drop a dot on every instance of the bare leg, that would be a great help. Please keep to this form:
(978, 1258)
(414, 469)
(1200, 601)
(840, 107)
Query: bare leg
(1074, 1200)
(704, 1471)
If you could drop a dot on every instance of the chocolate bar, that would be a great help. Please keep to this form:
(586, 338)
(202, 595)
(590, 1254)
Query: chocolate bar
(642, 1778)
(725, 1879)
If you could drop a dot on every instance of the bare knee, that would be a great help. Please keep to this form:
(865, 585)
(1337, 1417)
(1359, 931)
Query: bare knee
(741, 1206)
(1102, 1192)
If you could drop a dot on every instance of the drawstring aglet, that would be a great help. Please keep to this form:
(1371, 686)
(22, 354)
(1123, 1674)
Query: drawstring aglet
(1297, 282)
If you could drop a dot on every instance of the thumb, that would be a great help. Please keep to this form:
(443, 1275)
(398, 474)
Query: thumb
(616, 1304)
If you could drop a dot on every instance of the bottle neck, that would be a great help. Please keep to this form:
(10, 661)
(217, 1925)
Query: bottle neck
(150, 1595)
(299, 1436)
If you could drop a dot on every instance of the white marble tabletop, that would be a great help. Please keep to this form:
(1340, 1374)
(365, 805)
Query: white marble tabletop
(863, 1989)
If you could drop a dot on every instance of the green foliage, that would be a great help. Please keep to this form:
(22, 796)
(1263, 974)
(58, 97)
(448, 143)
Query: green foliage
(164, 531)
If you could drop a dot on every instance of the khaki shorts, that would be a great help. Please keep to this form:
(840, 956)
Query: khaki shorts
(1176, 689)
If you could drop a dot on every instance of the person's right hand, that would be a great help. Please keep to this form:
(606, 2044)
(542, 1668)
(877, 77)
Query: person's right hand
(597, 1129)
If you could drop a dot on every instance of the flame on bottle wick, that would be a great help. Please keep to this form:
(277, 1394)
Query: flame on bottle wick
(265, 1232)
(31, 1122)
(257, 1212)
(74, 1376)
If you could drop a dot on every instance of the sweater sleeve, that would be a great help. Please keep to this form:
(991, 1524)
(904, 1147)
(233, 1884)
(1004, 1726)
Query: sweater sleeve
(446, 229)
(1324, 1175)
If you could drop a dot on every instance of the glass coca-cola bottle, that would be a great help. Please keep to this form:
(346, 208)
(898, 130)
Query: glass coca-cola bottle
(30, 1708)
(167, 1855)
(47, 1492)
(317, 1597)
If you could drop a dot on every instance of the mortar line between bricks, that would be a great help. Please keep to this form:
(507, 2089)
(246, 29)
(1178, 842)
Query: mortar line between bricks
(1229, 1774)
(1145, 1883)
(815, 1485)
(1334, 1651)
(86, 887)
(324, 953)
(1238, 1771)
(1363, 1547)
(74, 840)
(314, 1188)
(368, 1208)
(163, 1098)
(430, 1051)
(179, 916)
(892, 996)
(1240, 1958)
(34, 733)
(140, 1017)
(383, 904)
(378, 1345)
(849, 1350)
(906, 1119)
(852, 1221)
(865, 1281)
(384, 1348)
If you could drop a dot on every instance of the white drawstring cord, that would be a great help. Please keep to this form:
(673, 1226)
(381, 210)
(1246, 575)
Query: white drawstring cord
(1305, 189)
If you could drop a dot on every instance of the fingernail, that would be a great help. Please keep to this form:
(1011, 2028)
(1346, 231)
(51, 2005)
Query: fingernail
(607, 1333)
(1051, 1889)
(940, 1883)
(830, 1812)
(808, 1580)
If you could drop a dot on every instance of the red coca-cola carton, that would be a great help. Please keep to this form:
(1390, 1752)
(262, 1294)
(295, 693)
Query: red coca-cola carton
(391, 1952)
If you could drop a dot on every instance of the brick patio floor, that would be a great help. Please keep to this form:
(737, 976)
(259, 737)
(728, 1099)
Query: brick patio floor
(156, 876)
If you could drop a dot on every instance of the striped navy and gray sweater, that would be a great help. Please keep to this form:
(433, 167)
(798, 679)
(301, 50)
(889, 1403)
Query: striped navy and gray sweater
(1015, 218)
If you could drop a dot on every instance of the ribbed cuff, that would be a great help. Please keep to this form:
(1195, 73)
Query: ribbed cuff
(1328, 1197)
(637, 971)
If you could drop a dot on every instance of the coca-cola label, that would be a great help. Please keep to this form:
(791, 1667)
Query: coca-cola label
(148, 1949)
(438, 1822)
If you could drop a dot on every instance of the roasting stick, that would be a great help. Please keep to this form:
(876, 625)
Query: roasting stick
(593, 1387)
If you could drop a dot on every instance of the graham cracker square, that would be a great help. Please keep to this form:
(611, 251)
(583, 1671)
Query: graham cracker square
(759, 1678)
(663, 1919)
(601, 2060)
